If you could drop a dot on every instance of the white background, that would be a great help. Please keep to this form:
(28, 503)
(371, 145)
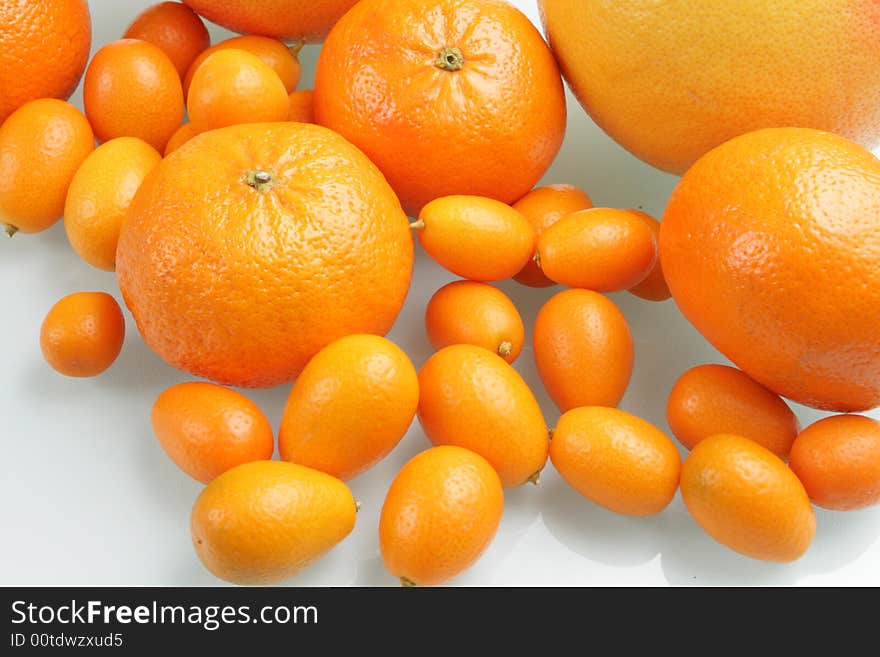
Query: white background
(88, 497)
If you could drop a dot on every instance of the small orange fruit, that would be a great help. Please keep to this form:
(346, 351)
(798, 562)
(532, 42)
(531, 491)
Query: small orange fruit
(82, 334)
(543, 207)
(466, 312)
(583, 350)
(653, 287)
(746, 498)
(476, 237)
(183, 134)
(176, 29)
(598, 249)
(838, 461)
(711, 399)
(440, 514)
(42, 144)
(100, 195)
(617, 460)
(132, 89)
(350, 406)
(472, 398)
(265, 521)
(302, 106)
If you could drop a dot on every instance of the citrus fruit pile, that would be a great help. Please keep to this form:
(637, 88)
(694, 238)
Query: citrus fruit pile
(265, 235)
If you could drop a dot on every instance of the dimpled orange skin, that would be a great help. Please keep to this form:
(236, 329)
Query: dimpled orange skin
(617, 460)
(653, 287)
(82, 334)
(599, 249)
(583, 350)
(350, 407)
(472, 398)
(233, 87)
(44, 47)
(42, 144)
(711, 399)
(100, 195)
(302, 106)
(770, 245)
(838, 461)
(467, 312)
(264, 522)
(183, 134)
(243, 283)
(747, 499)
(207, 429)
(486, 119)
(440, 514)
(543, 207)
(476, 237)
(175, 29)
(132, 89)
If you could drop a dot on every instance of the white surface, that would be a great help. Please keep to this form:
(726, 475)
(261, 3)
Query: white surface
(88, 497)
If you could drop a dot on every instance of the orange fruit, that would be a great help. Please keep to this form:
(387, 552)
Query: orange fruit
(82, 334)
(640, 69)
(472, 398)
(583, 350)
(446, 97)
(44, 47)
(653, 287)
(251, 248)
(838, 462)
(440, 514)
(746, 498)
(302, 106)
(769, 249)
(309, 20)
(265, 521)
(711, 399)
(132, 89)
(183, 134)
(175, 29)
(543, 207)
(207, 429)
(598, 249)
(233, 87)
(475, 237)
(465, 312)
(350, 407)
(42, 144)
(100, 194)
(617, 460)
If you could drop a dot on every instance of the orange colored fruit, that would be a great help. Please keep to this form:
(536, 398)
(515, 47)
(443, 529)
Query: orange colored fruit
(746, 498)
(82, 334)
(175, 29)
(617, 460)
(543, 207)
(440, 514)
(475, 237)
(838, 462)
(251, 248)
(233, 87)
(639, 67)
(653, 287)
(598, 249)
(265, 521)
(302, 106)
(132, 89)
(207, 429)
(183, 134)
(308, 20)
(42, 144)
(350, 407)
(44, 47)
(465, 312)
(472, 398)
(100, 195)
(711, 399)
(446, 97)
(770, 249)
(583, 350)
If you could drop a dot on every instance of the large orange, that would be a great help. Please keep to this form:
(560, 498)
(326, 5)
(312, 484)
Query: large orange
(671, 80)
(771, 245)
(44, 47)
(251, 247)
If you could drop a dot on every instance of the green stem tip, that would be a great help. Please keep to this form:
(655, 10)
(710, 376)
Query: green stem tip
(449, 59)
